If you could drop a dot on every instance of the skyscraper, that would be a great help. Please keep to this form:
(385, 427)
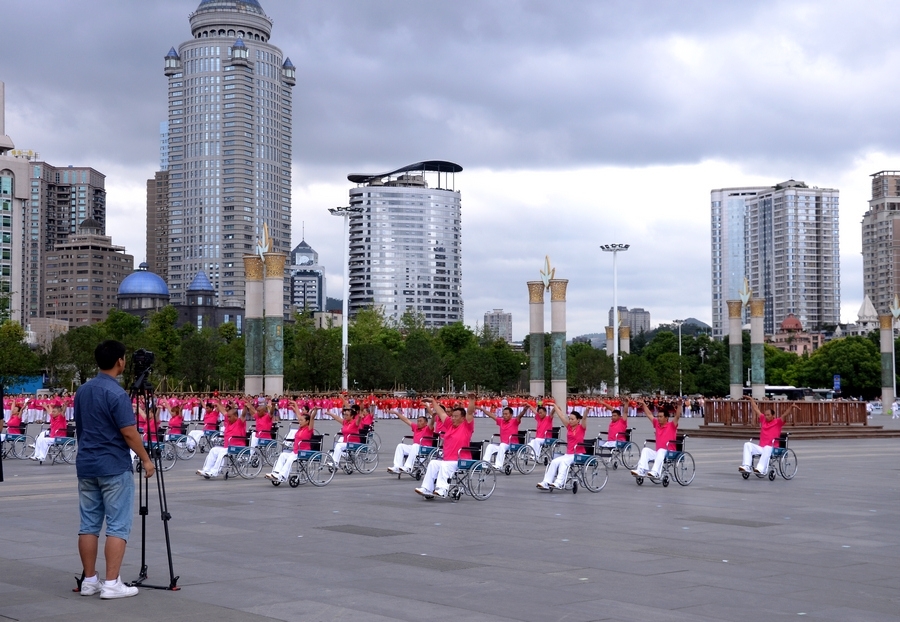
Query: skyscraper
(405, 244)
(499, 324)
(307, 279)
(14, 201)
(158, 224)
(788, 237)
(881, 241)
(229, 147)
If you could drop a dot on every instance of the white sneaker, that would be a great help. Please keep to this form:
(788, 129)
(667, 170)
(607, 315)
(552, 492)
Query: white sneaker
(638, 473)
(543, 486)
(117, 590)
(393, 469)
(425, 493)
(441, 493)
(744, 469)
(89, 588)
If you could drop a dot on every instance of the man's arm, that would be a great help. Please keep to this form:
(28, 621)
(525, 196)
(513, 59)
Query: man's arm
(470, 411)
(136, 443)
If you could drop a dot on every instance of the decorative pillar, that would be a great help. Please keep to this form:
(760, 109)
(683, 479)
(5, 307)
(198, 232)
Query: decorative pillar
(625, 339)
(558, 384)
(735, 349)
(253, 325)
(273, 311)
(886, 324)
(610, 344)
(757, 349)
(536, 336)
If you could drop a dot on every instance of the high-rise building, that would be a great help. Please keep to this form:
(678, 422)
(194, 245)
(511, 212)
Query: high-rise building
(83, 274)
(229, 147)
(881, 241)
(637, 319)
(14, 202)
(406, 243)
(307, 279)
(157, 257)
(788, 237)
(499, 324)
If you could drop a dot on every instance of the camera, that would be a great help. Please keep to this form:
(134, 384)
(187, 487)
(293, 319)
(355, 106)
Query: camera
(142, 361)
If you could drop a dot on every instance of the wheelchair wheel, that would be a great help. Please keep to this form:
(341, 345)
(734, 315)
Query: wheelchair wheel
(23, 447)
(269, 452)
(745, 475)
(249, 463)
(203, 444)
(525, 460)
(167, 455)
(320, 469)
(455, 494)
(683, 468)
(481, 480)
(68, 451)
(365, 459)
(374, 441)
(185, 448)
(639, 481)
(298, 474)
(594, 475)
(665, 481)
(629, 455)
(787, 464)
(772, 475)
(276, 482)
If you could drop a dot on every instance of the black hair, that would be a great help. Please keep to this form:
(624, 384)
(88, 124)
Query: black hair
(616, 411)
(576, 414)
(108, 353)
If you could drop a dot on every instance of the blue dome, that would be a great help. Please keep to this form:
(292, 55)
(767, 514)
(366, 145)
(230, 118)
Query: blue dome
(143, 283)
(251, 6)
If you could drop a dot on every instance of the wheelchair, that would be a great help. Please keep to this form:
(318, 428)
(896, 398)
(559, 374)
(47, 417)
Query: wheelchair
(473, 476)
(587, 469)
(185, 446)
(64, 448)
(372, 438)
(625, 453)
(425, 455)
(20, 446)
(519, 455)
(783, 461)
(210, 439)
(548, 448)
(269, 448)
(357, 455)
(166, 451)
(242, 460)
(312, 465)
(677, 464)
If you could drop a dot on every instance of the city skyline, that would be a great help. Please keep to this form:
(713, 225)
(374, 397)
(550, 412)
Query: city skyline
(557, 115)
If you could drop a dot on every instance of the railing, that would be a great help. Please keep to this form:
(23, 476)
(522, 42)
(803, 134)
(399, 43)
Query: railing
(738, 412)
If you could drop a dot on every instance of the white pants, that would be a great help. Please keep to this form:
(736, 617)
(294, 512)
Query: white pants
(658, 456)
(764, 453)
(196, 435)
(438, 474)
(405, 456)
(536, 444)
(42, 445)
(498, 450)
(214, 461)
(558, 470)
(609, 444)
(283, 465)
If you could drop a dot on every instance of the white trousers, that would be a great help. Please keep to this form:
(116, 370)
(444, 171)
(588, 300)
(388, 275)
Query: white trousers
(214, 461)
(438, 474)
(496, 450)
(764, 453)
(609, 444)
(658, 456)
(42, 445)
(405, 456)
(283, 465)
(338, 450)
(558, 470)
(536, 444)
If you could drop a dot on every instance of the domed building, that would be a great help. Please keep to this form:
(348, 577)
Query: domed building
(142, 292)
(792, 338)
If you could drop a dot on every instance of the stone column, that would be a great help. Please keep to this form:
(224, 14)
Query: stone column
(536, 337)
(558, 384)
(757, 349)
(886, 324)
(253, 325)
(625, 340)
(735, 349)
(273, 310)
(610, 344)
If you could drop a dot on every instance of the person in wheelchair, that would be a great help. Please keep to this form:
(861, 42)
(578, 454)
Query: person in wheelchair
(509, 428)
(57, 418)
(422, 436)
(211, 417)
(769, 430)
(350, 424)
(458, 428)
(618, 426)
(666, 429)
(543, 427)
(265, 412)
(558, 469)
(235, 436)
(14, 425)
(304, 433)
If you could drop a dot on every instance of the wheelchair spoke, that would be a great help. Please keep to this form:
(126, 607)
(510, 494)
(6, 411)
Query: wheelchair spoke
(787, 464)
(185, 447)
(249, 463)
(68, 451)
(365, 459)
(594, 475)
(480, 480)
(683, 468)
(320, 469)
(630, 455)
(167, 455)
(525, 459)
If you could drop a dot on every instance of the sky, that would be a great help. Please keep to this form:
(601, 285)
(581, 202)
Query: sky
(577, 124)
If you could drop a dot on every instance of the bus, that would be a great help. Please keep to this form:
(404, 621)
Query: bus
(789, 393)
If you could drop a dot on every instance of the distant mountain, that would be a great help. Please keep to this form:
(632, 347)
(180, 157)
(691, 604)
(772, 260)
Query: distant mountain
(334, 304)
(695, 322)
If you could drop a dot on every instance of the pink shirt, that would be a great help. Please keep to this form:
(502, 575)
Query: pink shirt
(769, 431)
(264, 426)
(456, 438)
(350, 430)
(211, 420)
(616, 430)
(422, 436)
(301, 439)
(57, 425)
(544, 426)
(236, 434)
(508, 429)
(367, 419)
(175, 424)
(665, 435)
(574, 438)
(14, 425)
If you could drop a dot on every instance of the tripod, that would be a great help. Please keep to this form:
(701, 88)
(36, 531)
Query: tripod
(142, 391)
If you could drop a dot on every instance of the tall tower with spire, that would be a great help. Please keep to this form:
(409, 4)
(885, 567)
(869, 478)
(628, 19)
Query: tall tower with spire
(229, 147)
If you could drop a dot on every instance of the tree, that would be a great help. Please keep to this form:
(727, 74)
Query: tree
(315, 363)
(507, 365)
(780, 366)
(666, 368)
(17, 360)
(857, 361)
(475, 369)
(81, 343)
(589, 368)
(197, 360)
(230, 362)
(420, 364)
(371, 366)
(163, 340)
(636, 375)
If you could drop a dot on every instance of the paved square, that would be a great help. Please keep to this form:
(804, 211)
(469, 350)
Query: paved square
(824, 546)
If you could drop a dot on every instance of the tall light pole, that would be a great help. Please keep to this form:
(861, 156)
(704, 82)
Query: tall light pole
(345, 319)
(614, 249)
(895, 313)
(679, 323)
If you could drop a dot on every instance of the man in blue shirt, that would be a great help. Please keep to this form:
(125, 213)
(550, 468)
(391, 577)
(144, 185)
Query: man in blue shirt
(105, 428)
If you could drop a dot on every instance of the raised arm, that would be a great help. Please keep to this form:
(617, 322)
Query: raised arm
(646, 410)
(559, 413)
(470, 411)
(400, 416)
(488, 412)
(754, 408)
(678, 412)
(525, 409)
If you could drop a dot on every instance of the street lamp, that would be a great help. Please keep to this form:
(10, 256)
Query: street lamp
(345, 320)
(679, 323)
(895, 313)
(614, 249)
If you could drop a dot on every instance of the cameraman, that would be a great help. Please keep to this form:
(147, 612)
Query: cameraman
(105, 427)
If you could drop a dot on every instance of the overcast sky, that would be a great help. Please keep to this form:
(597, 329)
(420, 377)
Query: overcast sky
(576, 123)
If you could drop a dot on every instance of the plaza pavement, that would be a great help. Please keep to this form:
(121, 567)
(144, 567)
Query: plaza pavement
(824, 546)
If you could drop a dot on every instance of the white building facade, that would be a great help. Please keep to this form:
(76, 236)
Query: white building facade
(499, 324)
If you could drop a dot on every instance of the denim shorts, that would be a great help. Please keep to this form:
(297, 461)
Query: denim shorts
(110, 497)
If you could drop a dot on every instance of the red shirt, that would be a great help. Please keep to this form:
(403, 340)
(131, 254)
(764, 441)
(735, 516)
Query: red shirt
(456, 438)
(57, 425)
(236, 434)
(14, 425)
(264, 426)
(301, 439)
(617, 430)
(367, 419)
(769, 431)
(665, 435)
(175, 424)
(574, 438)
(544, 426)
(211, 420)
(422, 436)
(350, 430)
(508, 429)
